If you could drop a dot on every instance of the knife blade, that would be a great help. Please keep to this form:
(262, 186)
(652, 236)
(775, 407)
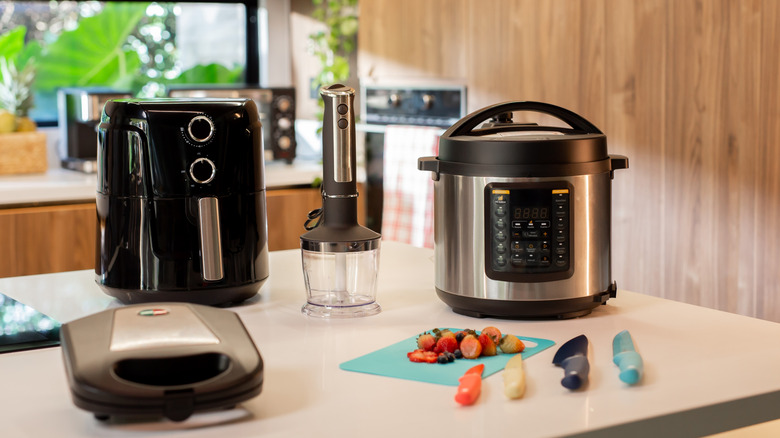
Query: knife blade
(573, 358)
(626, 358)
(470, 385)
(514, 377)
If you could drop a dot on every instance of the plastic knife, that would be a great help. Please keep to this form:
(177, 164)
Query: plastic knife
(573, 357)
(470, 385)
(626, 358)
(514, 377)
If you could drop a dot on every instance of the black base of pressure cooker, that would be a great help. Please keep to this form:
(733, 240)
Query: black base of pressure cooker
(548, 309)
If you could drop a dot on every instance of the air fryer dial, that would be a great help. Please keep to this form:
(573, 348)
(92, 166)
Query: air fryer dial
(200, 129)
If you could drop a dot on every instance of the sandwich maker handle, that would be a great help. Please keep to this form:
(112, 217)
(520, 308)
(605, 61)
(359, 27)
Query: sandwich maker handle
(467, 124)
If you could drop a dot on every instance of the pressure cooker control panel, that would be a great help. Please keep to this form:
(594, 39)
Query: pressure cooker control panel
(528, 231)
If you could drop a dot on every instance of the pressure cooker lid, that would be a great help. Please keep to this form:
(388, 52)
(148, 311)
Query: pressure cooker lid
(490, 137)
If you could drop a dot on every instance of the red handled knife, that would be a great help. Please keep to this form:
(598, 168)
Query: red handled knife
(470, 385)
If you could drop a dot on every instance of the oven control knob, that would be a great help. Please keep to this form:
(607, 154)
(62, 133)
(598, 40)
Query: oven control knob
(394, 100)
(203, 170)
(284, 142)
(200, 129)
(428, 100)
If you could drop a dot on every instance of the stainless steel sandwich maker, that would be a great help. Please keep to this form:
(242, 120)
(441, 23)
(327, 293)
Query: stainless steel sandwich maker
(161, 359)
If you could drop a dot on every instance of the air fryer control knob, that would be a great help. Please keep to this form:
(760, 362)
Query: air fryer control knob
(200, 129)
(202, 170)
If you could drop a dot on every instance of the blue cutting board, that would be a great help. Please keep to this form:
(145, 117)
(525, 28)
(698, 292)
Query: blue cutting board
(391, 361)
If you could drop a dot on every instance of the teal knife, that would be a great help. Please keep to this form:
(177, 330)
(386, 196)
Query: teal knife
(626, 358)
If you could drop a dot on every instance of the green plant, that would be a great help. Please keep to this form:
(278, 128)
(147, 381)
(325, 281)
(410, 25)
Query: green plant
(333, 46)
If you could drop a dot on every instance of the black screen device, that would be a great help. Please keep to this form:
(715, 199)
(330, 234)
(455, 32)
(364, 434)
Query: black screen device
(24, 328)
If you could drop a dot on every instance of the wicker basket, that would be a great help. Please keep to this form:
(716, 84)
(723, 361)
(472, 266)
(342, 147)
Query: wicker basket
(22, 152)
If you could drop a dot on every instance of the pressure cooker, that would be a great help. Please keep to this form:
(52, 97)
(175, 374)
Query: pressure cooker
(522, 214)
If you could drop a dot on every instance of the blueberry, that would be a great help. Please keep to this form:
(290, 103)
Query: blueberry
(459, 337)
(442, 358)
(458, 354)
(450, 357)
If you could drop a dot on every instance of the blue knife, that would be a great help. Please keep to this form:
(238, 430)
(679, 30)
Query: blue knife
(573, 357)
(626, 358)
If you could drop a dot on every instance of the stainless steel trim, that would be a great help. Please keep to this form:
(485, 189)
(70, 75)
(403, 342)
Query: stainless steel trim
(315, 246)
(210, 240)
(180, 327)
(459, 237)
(342, 137)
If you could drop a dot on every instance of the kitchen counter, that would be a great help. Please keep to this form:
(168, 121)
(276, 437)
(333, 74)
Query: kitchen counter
(59, 185)
(705, 370)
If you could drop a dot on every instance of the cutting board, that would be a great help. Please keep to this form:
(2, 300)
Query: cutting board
(391, 361)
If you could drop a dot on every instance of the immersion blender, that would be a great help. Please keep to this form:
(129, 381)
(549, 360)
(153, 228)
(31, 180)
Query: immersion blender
(340, 257)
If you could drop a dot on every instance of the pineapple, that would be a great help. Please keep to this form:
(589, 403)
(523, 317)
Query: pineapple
(16, 96)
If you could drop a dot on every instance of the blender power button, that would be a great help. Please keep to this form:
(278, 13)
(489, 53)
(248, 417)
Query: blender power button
(202, 170)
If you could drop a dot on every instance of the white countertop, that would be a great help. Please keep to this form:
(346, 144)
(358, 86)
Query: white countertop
(59, 185)
(705, 370)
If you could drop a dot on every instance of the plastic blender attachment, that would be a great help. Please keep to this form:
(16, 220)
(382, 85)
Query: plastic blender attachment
(340, 257)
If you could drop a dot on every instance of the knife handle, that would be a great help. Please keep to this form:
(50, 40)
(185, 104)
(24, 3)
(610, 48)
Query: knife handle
(575, 371)
(469, 388)
(631, 366)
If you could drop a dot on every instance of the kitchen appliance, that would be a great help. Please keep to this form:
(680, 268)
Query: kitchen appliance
(181, 203)
(423, 104)
(79, 112)
(340, 257)
(166, 359)
(277, 114)
(522, 214)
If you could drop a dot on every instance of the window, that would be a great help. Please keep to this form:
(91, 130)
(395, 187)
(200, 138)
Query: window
(140, 47)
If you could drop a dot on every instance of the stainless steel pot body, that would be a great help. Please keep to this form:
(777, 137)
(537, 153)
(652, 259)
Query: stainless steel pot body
(459, 221)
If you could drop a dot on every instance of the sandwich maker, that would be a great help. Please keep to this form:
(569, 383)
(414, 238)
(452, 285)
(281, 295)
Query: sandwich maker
(161, 359)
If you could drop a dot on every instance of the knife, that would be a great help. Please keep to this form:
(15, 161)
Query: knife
(470, 385)
(514, 377)
(573, 357)
(626, 358)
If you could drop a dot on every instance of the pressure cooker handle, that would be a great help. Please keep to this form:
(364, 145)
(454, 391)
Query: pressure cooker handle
(467, 124)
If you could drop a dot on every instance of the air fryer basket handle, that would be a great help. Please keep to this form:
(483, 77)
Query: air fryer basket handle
(467, 124)
(210, 241)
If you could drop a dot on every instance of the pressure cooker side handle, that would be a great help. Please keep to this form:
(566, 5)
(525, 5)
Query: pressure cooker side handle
(467, 124)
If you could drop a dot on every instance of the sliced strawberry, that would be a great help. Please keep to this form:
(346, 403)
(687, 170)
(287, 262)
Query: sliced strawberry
(470, 347)
(426, 342)
(488, 346)
(446, 344)
(493, 332)
(422, 356)
(511, 344)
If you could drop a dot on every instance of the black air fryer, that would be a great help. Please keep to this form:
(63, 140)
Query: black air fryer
(181, 201)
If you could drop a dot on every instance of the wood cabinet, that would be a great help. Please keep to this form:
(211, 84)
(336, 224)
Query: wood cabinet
(40, 240)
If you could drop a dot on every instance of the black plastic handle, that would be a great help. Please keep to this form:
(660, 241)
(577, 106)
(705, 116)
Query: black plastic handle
(467, 124)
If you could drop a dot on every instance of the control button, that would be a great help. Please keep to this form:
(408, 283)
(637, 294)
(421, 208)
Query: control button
(560, 197)
(560, 260)
(501, 260)
(500, 236)
(560, 222)
(515, 234)
(284, 123)
(284, 142)
(500, 210)
(518, 260)
(202, 170)
(342, 109)
(531, 225)
(545, 245)
(500, 224)
(499, 199)
(500, 248)
(343, 123)
(517, 246)
(544, 224)
(284, 104)
(200, 129)
(531, 234)
(518, 224)
(544, 260)
(531, 247)
(560, 209)
(532, 259)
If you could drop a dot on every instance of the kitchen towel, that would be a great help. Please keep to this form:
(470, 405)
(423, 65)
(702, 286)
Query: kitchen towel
(407, 212)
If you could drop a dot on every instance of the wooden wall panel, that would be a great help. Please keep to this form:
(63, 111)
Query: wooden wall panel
(767, 189)
(689, 90)
(635, 127)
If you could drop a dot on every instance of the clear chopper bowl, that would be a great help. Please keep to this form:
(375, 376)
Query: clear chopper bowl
(340, 284)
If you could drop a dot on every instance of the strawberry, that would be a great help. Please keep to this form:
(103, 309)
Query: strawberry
(470, 347)
(446, 344)
(488, 346)
(510, 344)
(422, 356)
(443, 333)
(493, 333)
(426, 342)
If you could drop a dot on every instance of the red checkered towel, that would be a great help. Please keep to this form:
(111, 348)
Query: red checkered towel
(407, 215)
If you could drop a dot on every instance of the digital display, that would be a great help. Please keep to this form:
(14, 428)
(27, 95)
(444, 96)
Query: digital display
(531, 212)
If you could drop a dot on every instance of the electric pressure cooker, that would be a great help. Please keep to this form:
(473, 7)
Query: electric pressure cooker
(522, 214)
